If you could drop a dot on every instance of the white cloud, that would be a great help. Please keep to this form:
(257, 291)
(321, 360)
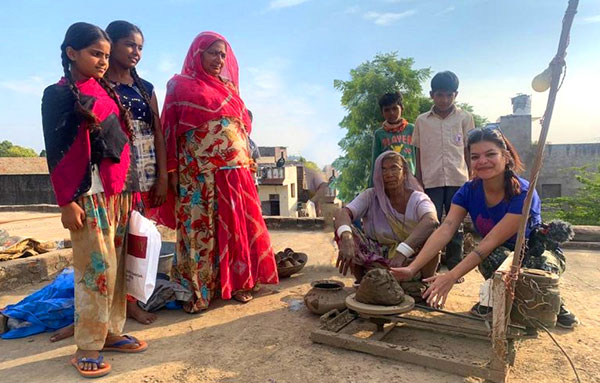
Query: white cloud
(388, 18)
(33, 85)
(166, 64)
(299, 115)
(447, 10)
(591, 19)
(277, 4)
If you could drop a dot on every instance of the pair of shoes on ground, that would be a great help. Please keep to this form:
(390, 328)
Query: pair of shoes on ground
(565, 318)
(104, 368)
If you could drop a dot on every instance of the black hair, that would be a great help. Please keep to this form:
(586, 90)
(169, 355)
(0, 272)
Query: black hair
(80, 36)
(444, 81)
(512, 187)
(250, 114)
(118, 30)
(394, 98)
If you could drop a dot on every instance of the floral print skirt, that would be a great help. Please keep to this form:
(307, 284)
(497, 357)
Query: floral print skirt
(223, 245)
(99, 261)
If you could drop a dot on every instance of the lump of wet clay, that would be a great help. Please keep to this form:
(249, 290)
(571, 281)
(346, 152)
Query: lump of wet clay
(379, 287)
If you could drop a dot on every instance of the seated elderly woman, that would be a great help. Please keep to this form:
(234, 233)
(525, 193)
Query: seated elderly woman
(397, 218)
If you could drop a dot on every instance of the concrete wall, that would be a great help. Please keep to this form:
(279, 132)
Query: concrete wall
(517, 128)
(559, 160)
(557, 176)
(26, 189)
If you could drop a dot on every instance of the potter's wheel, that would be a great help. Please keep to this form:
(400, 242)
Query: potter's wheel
(363, 308)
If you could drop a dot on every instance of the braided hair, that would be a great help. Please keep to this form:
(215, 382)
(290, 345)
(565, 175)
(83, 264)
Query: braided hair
(514, 165)
(118, 30)
(80, 36)
(124, 112)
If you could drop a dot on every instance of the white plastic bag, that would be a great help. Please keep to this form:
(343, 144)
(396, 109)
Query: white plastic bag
(141, 261)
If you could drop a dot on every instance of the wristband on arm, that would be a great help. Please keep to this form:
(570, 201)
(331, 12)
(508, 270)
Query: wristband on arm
(342, 229)
(405, 250)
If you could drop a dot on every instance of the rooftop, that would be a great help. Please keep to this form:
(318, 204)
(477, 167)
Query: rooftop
(23, 165)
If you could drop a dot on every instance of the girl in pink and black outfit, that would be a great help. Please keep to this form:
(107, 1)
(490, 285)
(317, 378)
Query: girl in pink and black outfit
(87, 134)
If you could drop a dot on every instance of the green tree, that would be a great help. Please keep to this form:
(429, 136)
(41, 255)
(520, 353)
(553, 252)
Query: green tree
(385, 73)
(479, 120)
(584, 207)
(43, 153)
(7, 149)
(306, 163)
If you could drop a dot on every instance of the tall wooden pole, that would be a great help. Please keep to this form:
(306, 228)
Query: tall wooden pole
(556, 66)
(503, 288)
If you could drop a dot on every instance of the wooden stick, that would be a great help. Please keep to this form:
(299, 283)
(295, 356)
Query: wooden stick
(557, 68)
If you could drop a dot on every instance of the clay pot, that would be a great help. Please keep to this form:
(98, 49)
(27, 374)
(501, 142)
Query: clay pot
(537, 298)
(325, 296)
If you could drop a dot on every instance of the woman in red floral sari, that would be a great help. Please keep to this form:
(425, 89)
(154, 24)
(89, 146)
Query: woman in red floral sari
(223, 246)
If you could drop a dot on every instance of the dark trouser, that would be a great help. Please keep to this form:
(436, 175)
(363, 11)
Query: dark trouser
(442, 199)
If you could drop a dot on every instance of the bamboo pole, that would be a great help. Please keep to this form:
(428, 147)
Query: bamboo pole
(556, 65)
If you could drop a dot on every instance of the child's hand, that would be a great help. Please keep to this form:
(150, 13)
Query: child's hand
(72, 216)
(158, 193)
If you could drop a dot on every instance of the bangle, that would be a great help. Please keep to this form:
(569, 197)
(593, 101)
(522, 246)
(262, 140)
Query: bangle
(479, 254)
(405, 249)
(342, 229)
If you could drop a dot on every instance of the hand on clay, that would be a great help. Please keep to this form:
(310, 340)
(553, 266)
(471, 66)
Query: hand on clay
(402, 273)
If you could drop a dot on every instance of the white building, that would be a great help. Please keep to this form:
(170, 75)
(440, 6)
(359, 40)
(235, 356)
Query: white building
(278, 190)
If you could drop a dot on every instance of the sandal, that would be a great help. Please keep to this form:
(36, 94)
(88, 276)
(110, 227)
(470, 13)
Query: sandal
(118, 346)
(101, 371)
(243, 296)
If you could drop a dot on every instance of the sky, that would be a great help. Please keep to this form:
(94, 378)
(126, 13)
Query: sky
(291, 51)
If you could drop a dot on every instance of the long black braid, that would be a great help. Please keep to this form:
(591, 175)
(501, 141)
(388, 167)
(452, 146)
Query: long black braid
(123, 111)
(86, 114)
(145, 95)
(80, 36)
(117, 30)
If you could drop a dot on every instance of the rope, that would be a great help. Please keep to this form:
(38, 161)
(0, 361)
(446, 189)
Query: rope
(561, 349)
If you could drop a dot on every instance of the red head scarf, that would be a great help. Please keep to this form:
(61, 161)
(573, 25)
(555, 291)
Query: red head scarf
(200, 97)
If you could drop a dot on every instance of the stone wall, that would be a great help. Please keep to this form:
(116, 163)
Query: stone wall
(26, 189)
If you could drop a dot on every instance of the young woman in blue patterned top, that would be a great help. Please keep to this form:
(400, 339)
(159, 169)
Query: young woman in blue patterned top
(149, 153)
(138, 96)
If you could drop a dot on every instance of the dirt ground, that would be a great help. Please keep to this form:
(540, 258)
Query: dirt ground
(267, 340)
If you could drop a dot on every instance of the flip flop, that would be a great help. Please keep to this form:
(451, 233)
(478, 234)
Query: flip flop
(101, 371)
(118, 346)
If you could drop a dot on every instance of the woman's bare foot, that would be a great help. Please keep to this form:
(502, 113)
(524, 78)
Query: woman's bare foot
(136, 312)
(63, 333)
(243, 296)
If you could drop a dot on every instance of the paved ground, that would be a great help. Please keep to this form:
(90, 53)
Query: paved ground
(267, 340)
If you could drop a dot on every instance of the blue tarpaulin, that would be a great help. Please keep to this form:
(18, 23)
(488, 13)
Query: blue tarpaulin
(48, 309)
